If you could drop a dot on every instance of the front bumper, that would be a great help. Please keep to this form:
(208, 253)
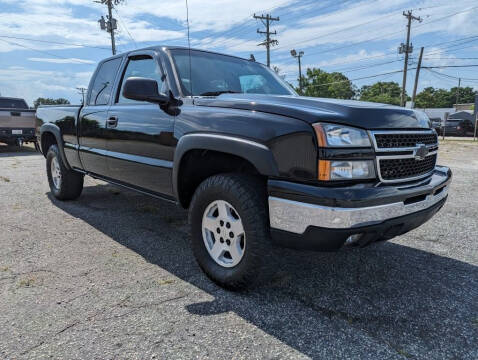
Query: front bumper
(323, 218)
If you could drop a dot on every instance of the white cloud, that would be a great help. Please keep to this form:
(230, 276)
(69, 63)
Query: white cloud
(204, 14)
(62, 61)
(30, 83)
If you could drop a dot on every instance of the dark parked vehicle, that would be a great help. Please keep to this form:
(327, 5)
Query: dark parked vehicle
(17, 121)
(460, 124)
(255, 163)
(436, 124)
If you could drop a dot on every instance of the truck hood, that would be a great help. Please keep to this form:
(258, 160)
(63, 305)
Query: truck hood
(365, 115)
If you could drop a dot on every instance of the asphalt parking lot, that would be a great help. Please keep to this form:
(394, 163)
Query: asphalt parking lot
(111, 276)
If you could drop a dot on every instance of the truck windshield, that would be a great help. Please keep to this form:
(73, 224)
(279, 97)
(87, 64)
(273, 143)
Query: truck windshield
(215, 74)
(13, 104)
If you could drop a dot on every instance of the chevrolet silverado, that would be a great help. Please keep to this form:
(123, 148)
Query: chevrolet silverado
(255, 164)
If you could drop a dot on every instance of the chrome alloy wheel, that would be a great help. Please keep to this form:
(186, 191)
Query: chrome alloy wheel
(223, 233)
(55, 172)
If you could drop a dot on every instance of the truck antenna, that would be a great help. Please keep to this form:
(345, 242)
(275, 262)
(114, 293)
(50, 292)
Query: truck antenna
(189, 48)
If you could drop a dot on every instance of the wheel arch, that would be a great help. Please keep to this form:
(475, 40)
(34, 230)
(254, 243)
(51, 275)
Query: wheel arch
(222, 153)
(50, 134)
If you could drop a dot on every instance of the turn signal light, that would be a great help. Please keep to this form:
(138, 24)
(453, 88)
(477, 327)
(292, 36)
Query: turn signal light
(324, 170)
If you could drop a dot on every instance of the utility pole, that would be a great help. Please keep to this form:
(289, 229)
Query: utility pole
(458, 94)
(82, 91)
(268, 42)
(110, 25)
(406, 49)
(298, 56)
(419, 66)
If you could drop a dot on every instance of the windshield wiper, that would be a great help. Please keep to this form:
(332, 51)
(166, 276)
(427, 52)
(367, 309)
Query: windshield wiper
(217, 93)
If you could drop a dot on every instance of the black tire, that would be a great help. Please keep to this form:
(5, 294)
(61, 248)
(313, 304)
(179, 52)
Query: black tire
(247, 195)
(71, 184)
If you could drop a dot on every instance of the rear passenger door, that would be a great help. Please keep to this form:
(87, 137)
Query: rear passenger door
(140, 134)
(93, 116)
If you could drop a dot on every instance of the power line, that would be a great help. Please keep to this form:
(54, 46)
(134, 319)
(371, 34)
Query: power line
(356, 79)
(448, 16)
(450, 76)
(39, 51)
(123, 25)
(335, 32)
(275, 7)
(450, 58)
(449, 66)
(239, 30)
(451, 41)
(53, 42)
(392, 53)
(383, 36)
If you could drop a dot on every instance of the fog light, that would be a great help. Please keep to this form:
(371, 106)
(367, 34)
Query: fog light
(353, 239)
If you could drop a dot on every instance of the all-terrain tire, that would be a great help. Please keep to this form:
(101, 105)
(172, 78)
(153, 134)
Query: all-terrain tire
(247, 197)
(70, 185)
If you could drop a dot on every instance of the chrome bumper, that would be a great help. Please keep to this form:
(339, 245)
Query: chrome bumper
(295, 217)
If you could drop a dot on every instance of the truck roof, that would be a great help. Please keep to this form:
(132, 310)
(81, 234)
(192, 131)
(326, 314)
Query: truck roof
(171, 47)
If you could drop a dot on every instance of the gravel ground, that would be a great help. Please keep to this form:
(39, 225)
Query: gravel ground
(111, 276)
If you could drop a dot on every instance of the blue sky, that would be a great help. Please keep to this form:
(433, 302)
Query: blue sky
(359, 38)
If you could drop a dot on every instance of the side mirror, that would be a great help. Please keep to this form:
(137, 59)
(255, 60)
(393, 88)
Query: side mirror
(142, 89)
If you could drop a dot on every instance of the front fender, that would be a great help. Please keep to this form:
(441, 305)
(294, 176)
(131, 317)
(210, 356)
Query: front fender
(256, 153)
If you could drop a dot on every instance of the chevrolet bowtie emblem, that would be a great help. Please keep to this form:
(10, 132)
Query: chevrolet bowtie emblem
(420, 152)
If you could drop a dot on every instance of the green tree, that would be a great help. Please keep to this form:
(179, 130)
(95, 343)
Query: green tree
(50, 101)
(441, 98)
(466, 95)
(426, 98)
(319, 83)
(382, 92)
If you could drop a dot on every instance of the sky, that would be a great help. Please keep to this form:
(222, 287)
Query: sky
(48, 48)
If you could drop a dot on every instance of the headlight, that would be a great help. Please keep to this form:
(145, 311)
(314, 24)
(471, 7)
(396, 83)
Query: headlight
(340, 136)
(346, 170)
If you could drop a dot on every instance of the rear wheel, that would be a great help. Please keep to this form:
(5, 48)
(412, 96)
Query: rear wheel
(64, 184)
(230, 229)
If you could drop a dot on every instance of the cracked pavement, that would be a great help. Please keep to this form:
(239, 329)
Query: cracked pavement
(111, 276)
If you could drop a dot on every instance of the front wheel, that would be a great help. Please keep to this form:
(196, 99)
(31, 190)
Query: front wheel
(230, 229)
(64, 184)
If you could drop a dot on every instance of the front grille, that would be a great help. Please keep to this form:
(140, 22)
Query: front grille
(399, 169)
(405, 140)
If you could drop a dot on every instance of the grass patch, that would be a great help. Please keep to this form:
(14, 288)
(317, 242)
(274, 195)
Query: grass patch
(27, 282)
(166, 281)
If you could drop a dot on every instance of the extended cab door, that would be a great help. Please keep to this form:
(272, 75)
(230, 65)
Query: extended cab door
(139, 134)
(93, 116)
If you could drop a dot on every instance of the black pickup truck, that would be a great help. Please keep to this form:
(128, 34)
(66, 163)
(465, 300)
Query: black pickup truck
(255, 163)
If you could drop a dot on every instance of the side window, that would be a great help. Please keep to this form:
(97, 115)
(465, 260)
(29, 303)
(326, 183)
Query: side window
(103, 84)
(144, 67)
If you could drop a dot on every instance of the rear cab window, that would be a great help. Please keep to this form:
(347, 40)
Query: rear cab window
(13, 104)
(102, 86)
